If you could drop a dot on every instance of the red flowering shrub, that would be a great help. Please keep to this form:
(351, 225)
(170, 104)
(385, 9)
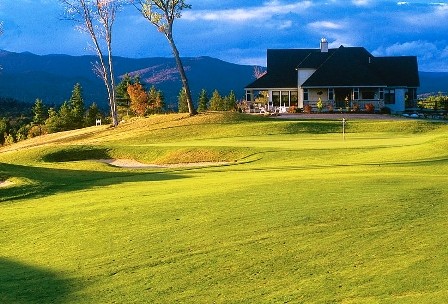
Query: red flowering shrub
(370, 108)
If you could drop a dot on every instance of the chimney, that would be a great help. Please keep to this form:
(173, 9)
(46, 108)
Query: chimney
(324, 45)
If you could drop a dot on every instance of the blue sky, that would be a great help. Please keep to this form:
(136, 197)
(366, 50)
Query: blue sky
(241, 31)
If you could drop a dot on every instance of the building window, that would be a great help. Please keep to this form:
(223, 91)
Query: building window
(381, 94)
(411, 94)
(389, 96)
(276, 98)
(248, 96)
(305, 95)
(367, 94)
(330, 94)
(355, 93)
(285, 98)
(294, 98)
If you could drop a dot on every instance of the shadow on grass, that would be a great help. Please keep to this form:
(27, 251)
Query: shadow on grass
(24, 284)
(43, 182)
(77, 153)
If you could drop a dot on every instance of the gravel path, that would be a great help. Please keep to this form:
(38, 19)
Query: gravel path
(340, 116)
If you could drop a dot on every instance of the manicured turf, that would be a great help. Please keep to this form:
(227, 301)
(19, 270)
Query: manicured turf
(298, 215)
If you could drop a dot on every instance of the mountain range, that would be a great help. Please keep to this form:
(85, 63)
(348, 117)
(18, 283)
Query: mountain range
(26, 76)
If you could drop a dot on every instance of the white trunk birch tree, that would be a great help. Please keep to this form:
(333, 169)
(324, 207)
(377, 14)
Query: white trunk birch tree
(161, 14)
(96, 18)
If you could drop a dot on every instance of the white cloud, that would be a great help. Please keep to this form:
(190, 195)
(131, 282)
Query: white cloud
(422, 48)
(431, 56)
(285, 25)
(428, 15)
(361, 2)
(445, 53)
(265, 11)
(320, 25)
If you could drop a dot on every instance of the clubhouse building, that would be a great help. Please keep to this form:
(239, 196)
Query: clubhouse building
(340, 78)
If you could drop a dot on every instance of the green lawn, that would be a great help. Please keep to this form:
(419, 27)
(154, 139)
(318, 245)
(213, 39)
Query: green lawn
(297, 215)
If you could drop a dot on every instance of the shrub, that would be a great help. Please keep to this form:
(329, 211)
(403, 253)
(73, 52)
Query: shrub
(319, 105)
(292, 110)
(355, 108)
(330, 109)
(36, 130)
(370, 108)
(385, 110)
(307, 109)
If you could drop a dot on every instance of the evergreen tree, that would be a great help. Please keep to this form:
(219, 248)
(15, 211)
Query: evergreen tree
(230, 102)
(93, 113)
(203, 101)
(76, 104)
(156, 101)
(123, 98)
(4, 126)
(216, 102)
(66, 118)
(53, 123)
(182, 102)
(39, 115)
(22, 132)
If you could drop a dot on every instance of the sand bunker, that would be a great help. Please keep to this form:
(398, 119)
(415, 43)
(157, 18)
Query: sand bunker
(127, 163)
(5, 183)
(133, 164)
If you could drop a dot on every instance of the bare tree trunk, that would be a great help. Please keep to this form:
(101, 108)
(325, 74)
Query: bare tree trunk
(161, 14)
(183, 76)
(113, 103)
(113, 97)
(106, 16)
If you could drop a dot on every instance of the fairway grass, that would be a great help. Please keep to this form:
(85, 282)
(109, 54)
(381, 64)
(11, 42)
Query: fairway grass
(294, 215)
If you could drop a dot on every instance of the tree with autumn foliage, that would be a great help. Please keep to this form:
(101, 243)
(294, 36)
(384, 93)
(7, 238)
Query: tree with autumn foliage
(122, 96)
(139, 99)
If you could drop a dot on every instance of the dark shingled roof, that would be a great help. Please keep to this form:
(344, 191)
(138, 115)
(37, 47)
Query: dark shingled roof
(345, 67)
(315, 59)
(281, 69)
(398, 71)
(341, 67)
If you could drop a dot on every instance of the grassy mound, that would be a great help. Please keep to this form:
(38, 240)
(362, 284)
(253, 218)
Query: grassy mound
(302, 216)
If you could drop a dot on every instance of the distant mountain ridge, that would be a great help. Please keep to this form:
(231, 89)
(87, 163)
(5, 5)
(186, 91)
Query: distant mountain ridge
(26, 76)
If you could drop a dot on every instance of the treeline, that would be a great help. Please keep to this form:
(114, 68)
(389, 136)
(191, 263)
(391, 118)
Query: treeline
(40, 119)
(434, 102)
(214, 103)
(133, 99)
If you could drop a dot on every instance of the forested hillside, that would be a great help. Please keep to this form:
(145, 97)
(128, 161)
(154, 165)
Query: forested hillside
(26, 76)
